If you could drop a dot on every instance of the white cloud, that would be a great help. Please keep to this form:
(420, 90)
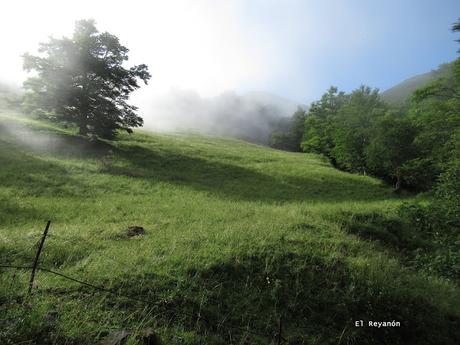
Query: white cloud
(195, 45)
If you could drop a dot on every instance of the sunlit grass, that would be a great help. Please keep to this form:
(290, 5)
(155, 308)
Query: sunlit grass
(238, 232)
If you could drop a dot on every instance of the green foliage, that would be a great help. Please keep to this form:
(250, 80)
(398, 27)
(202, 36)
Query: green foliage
(353, 128)
(320, 122)
(343, 127)
(419, 173)
(281, 140)
(409, 148)
(297, 127)
(423, 234)
(436, 115)
(434, 226)
(81, 80)
(438, 224)
(391, 146)
(448, 193)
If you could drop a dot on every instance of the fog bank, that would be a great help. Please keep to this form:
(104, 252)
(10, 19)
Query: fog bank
(250, 117)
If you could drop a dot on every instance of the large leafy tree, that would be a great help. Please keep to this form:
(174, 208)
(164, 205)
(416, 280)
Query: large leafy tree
(353, 128)
(390, 146)
(436, 114)
(82, 81)
(320, 122)
(340, 126)
(297, 128)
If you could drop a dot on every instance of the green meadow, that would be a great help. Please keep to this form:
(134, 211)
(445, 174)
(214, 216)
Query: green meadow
(237, 237)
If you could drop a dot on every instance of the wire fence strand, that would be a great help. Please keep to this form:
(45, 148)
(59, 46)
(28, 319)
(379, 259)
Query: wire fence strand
(137, 299)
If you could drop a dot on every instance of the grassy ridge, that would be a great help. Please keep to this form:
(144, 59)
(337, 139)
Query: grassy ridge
(237, 233)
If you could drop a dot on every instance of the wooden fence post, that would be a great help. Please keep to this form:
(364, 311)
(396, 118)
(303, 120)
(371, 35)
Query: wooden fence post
(280, 329)
(37, 256)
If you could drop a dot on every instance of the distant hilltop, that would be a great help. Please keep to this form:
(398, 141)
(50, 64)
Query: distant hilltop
(401, 92)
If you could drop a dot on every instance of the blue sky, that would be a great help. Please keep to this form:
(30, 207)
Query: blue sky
(377, 43)
(293, 48)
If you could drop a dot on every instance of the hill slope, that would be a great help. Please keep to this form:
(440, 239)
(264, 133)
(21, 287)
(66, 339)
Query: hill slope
(237, 237)
(401, 92)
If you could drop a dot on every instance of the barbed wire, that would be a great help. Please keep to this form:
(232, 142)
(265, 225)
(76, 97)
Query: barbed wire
(137, 299)
(199, 317)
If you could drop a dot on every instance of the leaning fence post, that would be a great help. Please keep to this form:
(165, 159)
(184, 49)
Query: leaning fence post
(37, 256)
(280, 329)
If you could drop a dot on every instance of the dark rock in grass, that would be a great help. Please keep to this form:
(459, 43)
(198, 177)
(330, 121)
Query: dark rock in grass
(149, 337)
(51, 318)
(135, 230)
(115, 338)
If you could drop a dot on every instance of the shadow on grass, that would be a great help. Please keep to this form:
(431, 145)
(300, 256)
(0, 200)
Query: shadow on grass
(43, 140)
(318, 299)
(29, 175)
(13, 213)
(241, 183)
(433, 252)
(308, 291)
(218, 178)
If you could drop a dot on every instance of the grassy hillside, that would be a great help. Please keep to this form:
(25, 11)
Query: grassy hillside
(401, 92)
(237, 237)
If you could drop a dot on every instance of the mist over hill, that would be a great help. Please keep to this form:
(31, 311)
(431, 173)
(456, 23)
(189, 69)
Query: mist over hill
(7, 89)
(251, 116)
(9, 94)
